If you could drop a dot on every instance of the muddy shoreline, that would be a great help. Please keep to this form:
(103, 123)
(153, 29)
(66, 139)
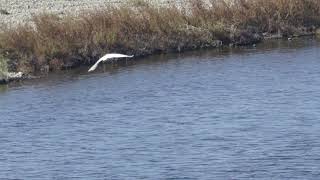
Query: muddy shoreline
(265, 37)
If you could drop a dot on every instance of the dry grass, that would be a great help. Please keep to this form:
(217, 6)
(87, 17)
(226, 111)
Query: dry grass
(141, 28)
(3, 68)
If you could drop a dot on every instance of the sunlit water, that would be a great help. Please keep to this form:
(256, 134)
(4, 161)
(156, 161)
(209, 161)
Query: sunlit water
(247, 113)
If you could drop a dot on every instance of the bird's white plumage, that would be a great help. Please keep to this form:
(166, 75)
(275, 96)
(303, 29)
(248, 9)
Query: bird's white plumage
(106, 57)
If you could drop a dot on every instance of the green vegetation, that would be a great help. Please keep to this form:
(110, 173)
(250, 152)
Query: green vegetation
(142, 28)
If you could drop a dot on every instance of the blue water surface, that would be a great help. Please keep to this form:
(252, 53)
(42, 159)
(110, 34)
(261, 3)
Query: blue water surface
(244, 113)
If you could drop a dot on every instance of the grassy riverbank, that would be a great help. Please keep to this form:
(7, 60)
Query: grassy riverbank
(53, 42)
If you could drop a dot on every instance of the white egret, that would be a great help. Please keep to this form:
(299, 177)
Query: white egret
(106, 57)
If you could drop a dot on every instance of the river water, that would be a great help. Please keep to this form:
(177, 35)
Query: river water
(246, 113)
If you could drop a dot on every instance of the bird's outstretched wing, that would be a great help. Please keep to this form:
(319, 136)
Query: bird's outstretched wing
(106, 57)
(109, 56)
(94, 67)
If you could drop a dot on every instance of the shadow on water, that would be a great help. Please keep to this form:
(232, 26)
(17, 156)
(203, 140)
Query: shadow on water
(3, 88)
(67, 76)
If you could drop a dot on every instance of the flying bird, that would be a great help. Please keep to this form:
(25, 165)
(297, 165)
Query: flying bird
(106, 57)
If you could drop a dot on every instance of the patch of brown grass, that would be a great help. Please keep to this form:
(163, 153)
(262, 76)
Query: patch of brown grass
(141, 28)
